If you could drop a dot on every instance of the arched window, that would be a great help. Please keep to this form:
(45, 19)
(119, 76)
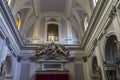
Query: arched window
(8, 1)
(111, 58)
(18, 21)
(95, 2)
(86, 23)
(111, 53)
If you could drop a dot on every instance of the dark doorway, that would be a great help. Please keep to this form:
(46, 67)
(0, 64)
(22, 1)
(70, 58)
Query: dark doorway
(111, 58)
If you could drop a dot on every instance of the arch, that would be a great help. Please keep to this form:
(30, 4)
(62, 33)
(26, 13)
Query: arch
(30, 12)
(80, 18)
(77, 27)
(19, 15)
(111, 54)
(19, 6)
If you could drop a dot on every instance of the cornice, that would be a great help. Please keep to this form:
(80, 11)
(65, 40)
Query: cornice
(7, 14)
(101, 19)
(97, 10)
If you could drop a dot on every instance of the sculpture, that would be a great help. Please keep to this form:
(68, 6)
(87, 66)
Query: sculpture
(99, 73)
(51, 51)
(3, 68)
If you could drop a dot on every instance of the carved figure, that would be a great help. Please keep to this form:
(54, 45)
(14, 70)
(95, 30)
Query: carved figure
(62, 50)
(3, 68)
(99, 73)
(51, 50)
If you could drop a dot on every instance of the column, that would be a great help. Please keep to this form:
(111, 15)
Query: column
(71, 71)
(42, 25)
(86, 68)
(36, 32)
(99, 50)
(69, 33)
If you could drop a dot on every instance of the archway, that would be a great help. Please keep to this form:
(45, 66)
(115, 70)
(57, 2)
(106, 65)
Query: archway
(111, 58)
(111, 53)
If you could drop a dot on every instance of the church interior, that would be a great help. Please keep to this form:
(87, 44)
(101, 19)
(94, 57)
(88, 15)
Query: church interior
(59, 39)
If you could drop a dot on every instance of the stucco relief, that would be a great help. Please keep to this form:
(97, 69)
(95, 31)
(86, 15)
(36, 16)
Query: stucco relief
(51, 51)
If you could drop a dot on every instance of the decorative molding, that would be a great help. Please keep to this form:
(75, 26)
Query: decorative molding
(7, 40)
(94, 44)
(113, 12)
(1, 34)
(100, 22)
(93, 21)
(8, 16)
(102, 34)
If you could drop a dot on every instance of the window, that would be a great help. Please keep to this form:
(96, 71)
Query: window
(86, 23)
(8, 1)
(52, 32)
(94, 2)
(18, 22)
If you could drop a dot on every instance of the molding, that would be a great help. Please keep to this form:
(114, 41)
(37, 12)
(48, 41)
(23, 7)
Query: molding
(113, 12)
(53, 14)
(8, 43)
(7, 14)
(102, 34)
(103, 20)
(94, 18)
(2, 34)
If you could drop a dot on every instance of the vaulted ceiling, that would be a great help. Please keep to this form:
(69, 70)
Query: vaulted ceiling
(32, 10)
